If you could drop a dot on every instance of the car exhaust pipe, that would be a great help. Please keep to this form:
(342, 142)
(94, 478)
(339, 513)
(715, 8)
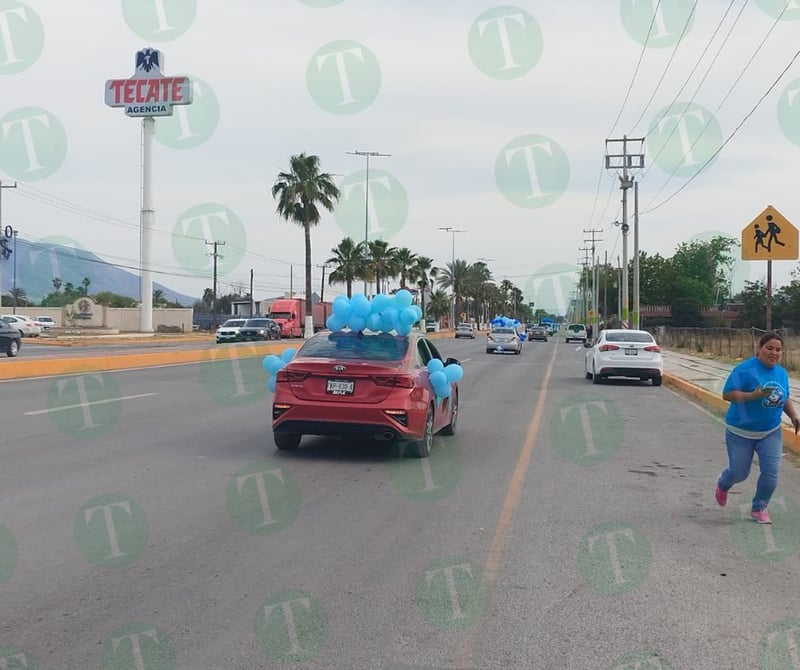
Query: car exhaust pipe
(386, 435)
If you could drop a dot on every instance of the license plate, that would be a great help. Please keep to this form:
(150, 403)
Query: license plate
(340, 386)
(631, 352)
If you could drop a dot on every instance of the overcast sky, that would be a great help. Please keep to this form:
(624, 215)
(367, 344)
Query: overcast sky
(496, 118)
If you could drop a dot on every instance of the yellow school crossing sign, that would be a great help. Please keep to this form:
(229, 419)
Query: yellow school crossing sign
(769, 237)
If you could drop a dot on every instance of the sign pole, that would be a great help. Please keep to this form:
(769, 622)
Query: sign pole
(147, 224)
(769, 295)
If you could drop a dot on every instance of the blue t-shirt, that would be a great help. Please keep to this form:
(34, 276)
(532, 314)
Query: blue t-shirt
(762, 413)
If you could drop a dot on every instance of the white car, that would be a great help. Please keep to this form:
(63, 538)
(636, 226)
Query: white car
(23, 324)
(45, 322)
(576, 331)
(229, 331)
(624, 353)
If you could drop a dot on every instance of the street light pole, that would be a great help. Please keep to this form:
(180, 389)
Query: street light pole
(2, 232)
(366, 200)
(453, 231)
(15, 232)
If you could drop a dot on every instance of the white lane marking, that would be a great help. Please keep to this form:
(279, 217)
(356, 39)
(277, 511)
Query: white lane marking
(88, 404)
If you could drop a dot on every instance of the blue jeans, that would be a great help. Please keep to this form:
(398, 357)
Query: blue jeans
(740, 458)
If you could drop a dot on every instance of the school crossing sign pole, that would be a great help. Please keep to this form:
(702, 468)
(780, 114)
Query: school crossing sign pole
(769, 237)
(146, 95)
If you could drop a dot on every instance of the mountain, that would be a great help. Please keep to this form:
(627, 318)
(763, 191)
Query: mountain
(38, 263)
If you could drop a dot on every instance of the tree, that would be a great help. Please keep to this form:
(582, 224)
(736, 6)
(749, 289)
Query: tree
(439, 305)
(382, 261)
(405, 260)
(348, 262)
(158, 298)
(112, 299)
(19, 297)
(424, 274)
(85, 284)
(456, 277)
(57, 283)
(300, 192)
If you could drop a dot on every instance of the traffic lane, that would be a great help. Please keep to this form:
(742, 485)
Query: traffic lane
(619, 550)
(357, 529)
(33, 349)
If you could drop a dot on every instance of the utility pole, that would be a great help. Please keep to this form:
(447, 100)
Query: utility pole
(15, 232)
(627, 161)
(291, 280)
(2, 232)
(585, 261)
(595, 293)
(216, 255)
(252, 302)
(605, 290)
(366, 204)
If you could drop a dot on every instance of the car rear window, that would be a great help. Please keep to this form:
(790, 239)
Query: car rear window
(630, 337)
(346, 345)
(256, 322)
(577, 326)
(233, 322)
(505, 331)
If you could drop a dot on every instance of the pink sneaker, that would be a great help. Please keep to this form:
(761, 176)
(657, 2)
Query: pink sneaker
(762, 516)
(721, 496)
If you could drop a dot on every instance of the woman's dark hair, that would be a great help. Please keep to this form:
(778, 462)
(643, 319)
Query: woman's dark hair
(769, 336)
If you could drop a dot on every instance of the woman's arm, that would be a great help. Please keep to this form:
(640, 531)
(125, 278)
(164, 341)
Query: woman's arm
(790, 411)
(744, 396)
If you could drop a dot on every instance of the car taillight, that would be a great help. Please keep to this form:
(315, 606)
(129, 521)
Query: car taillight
(402, 381)
(489, 337)
(608, 347)
(654, 348)
(399, 415)
(291, 376)
(278, 410)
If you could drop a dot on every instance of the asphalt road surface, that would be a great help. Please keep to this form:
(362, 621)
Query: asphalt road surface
(148, 523)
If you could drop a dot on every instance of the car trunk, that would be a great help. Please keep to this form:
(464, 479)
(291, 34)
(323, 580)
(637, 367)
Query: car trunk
(631, 352)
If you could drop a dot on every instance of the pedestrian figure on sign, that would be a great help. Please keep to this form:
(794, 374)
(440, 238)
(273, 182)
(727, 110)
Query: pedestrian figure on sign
(759, 237)
(772, 233)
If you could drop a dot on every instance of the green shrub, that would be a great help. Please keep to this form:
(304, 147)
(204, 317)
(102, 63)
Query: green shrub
(168, 329)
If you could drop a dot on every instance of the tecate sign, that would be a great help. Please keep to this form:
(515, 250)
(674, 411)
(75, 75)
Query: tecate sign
(148, 92)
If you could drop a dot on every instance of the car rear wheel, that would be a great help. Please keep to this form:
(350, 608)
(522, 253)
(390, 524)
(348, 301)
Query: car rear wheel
(588, 375)
(595, 377)
(488, 351)
(657, 380)
(287, 441)
(13, 349)
(450, 428)
(422, 447)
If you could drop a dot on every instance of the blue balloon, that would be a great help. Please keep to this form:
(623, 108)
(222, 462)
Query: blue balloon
(435, 364)
(403, 298)
(271, 384)
(356, 323)
(272, 364)
(437, 379)
(403, 328)
(442, 391)
(408, 316)
(417, 312)
(333, 322)
(389, 319)
(374, 322)
(380, 302)
(453, 372)
(342, 309)
(360, 304)
(288, 354)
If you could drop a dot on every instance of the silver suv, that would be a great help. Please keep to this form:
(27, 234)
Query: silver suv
(576, 331)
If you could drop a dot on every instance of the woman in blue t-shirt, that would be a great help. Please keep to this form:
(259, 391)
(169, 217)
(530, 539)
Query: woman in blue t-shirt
(758, 392)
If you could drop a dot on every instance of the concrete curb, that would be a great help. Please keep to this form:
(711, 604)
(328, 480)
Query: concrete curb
(715, 402)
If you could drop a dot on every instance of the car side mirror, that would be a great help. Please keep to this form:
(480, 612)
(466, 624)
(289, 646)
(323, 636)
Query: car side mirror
(451, 361)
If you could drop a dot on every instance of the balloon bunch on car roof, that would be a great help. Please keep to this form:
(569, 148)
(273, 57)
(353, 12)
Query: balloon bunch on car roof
(384, 313)
(273, 363)
(504, 321)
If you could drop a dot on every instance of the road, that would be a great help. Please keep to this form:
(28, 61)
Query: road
(148, 522)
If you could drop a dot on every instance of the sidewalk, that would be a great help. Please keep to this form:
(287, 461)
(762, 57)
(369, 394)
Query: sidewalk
(703, 379)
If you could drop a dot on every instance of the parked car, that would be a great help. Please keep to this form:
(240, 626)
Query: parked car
(229, 331)
(465, 330)
(502, 339)
(260, 328)
(624, 353)
(10, 339)
(431, 326)
(23, 324)
(538, 333)
(45, 322)
(576, 331)
(371, 384)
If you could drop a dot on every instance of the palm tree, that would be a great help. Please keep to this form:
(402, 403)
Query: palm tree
(348, 262)
(440, 304)
(85, 283)
(57, 283)
(455, 276)
(405, 259)
(382, 260)
(299, 193)
(158, 298)
(423, 273)
(19, 296)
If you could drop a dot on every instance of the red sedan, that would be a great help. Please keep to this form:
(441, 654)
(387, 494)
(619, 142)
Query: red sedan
(355, 383)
